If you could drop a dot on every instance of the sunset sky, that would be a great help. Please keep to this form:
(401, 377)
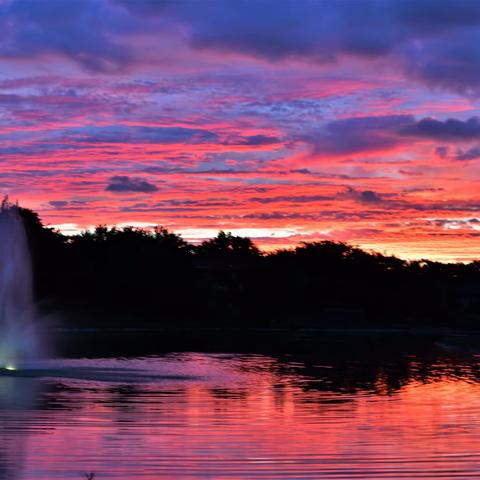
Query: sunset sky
(283, 120)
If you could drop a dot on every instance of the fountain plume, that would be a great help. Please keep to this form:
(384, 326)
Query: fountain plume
(18, 335)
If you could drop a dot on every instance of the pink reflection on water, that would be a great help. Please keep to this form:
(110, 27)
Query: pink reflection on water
(244, 417)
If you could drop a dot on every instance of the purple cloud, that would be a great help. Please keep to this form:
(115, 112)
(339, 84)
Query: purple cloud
(470, 154)
(435, 41)
(124, 184)
(359, 134)
(139, 134)
(31, 28)
(449, 130)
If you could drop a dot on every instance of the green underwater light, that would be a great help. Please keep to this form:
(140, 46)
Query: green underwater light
(10, 367)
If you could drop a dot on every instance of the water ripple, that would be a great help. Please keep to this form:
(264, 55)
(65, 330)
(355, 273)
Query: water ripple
(204, 416)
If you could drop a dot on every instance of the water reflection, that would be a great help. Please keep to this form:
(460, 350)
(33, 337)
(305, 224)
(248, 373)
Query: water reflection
(17, 419)
(361, 413)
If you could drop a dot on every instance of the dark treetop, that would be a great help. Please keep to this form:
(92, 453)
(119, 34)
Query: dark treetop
(130, 276)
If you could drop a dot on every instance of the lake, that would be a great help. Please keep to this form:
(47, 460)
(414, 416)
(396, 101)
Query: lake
(346, 407)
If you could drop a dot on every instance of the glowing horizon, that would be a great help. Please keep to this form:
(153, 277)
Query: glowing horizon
(280, 122)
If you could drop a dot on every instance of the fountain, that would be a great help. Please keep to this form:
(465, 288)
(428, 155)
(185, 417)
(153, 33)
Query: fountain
(18, 332)
(22, 350)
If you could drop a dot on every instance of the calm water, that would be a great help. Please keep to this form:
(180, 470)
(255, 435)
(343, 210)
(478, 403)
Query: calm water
(370, 412)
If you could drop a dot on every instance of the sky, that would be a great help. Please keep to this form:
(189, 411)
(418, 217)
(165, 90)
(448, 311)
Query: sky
(286, 121)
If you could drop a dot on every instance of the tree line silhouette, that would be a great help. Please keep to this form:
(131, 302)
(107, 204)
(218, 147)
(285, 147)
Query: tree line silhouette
(135, 277)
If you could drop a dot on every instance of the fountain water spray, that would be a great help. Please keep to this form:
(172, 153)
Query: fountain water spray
(18, 331)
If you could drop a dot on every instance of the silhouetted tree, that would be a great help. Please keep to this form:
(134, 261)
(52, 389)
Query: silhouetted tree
(227, 244)
(153, 276)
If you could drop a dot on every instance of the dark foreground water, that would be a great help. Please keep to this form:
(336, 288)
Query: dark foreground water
(343, 409)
